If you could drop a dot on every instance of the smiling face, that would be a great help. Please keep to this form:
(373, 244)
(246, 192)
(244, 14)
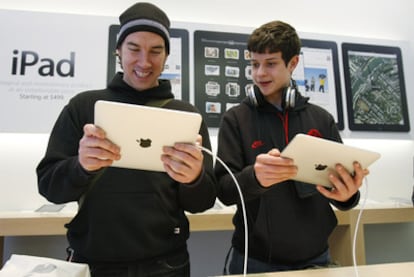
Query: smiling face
(271, 74)
(142, 55)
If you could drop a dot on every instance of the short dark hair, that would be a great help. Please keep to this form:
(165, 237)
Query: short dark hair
(275, 36)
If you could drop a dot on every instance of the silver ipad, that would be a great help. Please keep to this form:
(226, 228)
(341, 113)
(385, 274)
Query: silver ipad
(141, 131)
(316, 158)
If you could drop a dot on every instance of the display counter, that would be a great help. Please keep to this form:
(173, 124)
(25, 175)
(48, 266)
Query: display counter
(32, 223)
(378, 270)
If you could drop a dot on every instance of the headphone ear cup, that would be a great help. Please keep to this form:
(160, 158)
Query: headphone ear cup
(251, 93)
(292, 102)
(290, 98)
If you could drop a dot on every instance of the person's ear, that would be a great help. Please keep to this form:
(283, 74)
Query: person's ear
(294, 61)
(119, 57)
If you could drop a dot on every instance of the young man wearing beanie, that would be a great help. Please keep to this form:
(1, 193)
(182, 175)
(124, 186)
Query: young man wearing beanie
(131, 222)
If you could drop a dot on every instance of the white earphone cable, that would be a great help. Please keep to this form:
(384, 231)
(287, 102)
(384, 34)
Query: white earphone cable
(246, 240)
(357, 227)
(245, 215)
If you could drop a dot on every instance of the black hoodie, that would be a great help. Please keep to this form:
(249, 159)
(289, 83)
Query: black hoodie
(127, 215)
(288, 223)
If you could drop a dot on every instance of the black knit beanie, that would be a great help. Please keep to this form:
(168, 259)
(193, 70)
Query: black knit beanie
(144, 16)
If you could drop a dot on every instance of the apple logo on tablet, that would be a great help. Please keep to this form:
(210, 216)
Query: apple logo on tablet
(320, 167)
(144, 143)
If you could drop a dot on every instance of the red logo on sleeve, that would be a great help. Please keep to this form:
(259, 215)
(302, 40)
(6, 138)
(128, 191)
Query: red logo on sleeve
(315, 133)
(257, 144)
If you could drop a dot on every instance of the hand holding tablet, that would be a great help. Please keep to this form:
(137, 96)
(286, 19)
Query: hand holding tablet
(316, 158)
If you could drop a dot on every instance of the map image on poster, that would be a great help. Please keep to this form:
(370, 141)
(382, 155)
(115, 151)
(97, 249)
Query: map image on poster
(375, 88)
(176, 68)
(222, 73)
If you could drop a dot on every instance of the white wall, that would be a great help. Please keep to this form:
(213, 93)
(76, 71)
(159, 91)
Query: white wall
(368, 18)
(371, 19)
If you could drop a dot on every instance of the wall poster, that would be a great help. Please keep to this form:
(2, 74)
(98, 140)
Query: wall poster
(375, 88)
(317, 76)
(44, 66)
(221, 74)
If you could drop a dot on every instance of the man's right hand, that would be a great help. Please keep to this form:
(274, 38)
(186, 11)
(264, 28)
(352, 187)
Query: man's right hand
(95, 150)
(270, 168)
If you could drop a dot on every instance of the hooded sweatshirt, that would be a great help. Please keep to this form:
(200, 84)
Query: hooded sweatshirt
(126, 215)
(288, 223)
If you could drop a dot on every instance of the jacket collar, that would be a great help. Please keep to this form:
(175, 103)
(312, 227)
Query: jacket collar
(162, 91)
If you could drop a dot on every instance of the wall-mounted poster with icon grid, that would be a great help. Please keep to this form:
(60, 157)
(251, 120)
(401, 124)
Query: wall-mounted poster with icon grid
(222, 72)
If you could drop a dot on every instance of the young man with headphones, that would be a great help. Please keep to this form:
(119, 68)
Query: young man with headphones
(288, 222)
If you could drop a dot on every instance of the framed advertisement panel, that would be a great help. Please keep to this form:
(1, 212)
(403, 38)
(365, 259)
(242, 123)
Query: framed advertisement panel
(222, 71)
(317, 76)
(375, 88)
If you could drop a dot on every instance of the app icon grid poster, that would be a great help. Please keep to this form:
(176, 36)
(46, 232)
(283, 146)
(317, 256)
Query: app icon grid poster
(222, 72)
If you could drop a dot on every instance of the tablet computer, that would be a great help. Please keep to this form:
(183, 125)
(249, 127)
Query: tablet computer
(141, 131)
(316, 158)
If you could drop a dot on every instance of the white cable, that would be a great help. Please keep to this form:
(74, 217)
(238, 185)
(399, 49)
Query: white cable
(245, 216)
(246, 240)
(357, 227)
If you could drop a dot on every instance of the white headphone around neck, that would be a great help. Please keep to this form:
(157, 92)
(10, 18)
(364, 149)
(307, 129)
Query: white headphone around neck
(288, 95)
